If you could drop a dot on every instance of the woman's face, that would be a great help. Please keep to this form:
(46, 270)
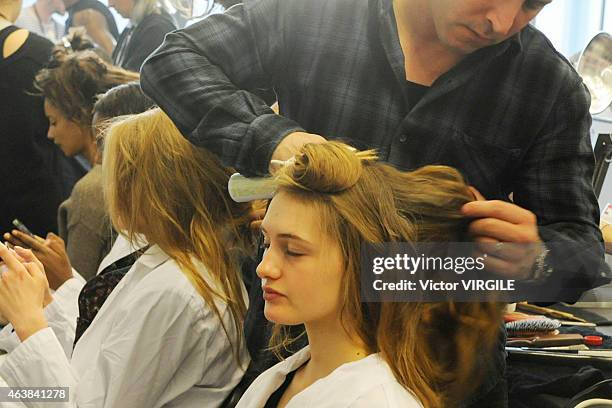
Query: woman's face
(68, 135)
(301, 269)
(123, 7)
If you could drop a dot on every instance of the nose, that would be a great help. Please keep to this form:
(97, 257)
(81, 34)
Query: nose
(269, 267)
(502, 16)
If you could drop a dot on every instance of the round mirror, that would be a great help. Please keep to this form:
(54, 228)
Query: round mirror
(595, 67)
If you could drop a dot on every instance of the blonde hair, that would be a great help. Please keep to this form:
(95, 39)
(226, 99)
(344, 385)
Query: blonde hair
(175, 194)
(430, 347)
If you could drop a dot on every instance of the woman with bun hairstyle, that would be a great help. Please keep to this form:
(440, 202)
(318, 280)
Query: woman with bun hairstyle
(70, 85)
(329, 202)
(169, 334)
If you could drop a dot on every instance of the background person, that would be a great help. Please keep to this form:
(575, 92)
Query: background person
(175, 318)
(96, 19)
(85, 231)
(150, 21)
(35, 171)
(38, 18)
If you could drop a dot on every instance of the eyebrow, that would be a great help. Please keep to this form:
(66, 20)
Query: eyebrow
(288, 236)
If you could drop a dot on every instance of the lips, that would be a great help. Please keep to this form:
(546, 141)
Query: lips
(270, 294)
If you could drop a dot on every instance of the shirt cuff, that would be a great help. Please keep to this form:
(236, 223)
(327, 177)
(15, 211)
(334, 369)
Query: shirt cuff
(21, 365)
(267, 131)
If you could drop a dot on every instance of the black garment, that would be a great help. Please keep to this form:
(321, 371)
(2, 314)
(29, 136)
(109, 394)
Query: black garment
(136, 43)
(95, 5)
(96, 291)
(414, 93)
(274, 399)
(34, 172)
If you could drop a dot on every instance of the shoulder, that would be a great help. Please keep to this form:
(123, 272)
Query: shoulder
(90, 184)
(160, 22)
(315, 11)
(160, 279)
(364, 383)
(543, 62)
(87, 16)
(37, 48)
(87, 197)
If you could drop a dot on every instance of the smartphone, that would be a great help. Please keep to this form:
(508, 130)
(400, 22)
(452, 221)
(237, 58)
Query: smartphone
(21, 227)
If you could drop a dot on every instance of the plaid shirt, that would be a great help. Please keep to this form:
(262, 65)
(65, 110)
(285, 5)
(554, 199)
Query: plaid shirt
(512, 117)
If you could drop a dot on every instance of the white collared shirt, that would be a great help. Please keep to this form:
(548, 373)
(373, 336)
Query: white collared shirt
(365, 383)
(153, 343)
(61, 314)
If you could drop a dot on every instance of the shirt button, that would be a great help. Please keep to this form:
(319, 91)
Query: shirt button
(403, 138)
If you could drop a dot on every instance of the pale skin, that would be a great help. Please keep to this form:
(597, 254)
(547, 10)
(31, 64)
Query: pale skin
(51, 252)
(446, 31)
(301, 263)
(24, 292)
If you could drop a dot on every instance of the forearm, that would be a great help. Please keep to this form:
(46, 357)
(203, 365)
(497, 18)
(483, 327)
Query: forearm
(205, 78)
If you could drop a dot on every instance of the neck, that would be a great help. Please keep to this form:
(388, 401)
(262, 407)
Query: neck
(43, 10)
(91, 153)
(414, 19)
(330, 347)
(426, 56)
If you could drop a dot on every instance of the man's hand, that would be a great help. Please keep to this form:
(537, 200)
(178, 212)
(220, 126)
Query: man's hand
(499, 224)
(23, 289)
(51, 252)
(291, 145)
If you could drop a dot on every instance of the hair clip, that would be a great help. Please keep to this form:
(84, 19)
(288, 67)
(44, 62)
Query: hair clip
(66, 43)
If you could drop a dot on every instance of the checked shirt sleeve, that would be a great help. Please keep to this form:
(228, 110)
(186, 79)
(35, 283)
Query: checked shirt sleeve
(207, 78)
(555, 183)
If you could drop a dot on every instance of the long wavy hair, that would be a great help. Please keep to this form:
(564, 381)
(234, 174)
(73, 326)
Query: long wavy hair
(159, 185)
(430, 347)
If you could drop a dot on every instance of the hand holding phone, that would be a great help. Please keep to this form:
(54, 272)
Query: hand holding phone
(22, 227)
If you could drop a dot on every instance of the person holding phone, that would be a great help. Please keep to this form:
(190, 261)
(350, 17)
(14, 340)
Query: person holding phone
(175, 318)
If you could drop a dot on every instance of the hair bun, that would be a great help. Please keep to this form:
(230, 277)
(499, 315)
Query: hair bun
(329, 167)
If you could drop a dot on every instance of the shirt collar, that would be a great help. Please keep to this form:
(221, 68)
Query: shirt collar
(153, 257)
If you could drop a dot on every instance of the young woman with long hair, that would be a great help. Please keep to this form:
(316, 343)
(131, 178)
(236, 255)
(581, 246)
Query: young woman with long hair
(329, 202)
(169, 334)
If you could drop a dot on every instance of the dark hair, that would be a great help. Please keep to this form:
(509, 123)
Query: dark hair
(125, 99)
(78, 40)
(72, 81)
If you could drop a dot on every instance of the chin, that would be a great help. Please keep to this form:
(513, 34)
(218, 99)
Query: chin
(276, 314)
